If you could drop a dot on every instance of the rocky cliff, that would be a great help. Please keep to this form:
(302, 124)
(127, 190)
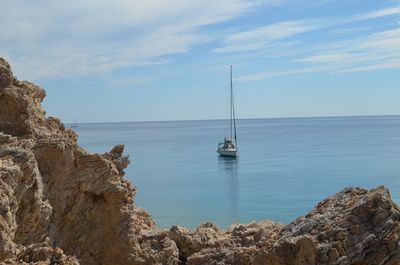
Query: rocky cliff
(60, 204)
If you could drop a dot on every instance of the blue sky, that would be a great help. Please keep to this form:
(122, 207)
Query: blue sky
(128, 60)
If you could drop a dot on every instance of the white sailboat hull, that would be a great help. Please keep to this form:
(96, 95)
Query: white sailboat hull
(227, 152)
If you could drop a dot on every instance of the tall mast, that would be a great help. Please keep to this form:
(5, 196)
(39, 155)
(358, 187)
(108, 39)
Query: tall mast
(231, 101)
(233, 118)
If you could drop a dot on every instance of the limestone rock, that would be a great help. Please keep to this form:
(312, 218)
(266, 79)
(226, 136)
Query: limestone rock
(119, 160)
(355, 226)
(209, 245)
(44, 255)
(21, 113)
(57, 201)
(6, 75)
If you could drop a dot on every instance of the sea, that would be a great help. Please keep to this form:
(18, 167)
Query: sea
(285, 165)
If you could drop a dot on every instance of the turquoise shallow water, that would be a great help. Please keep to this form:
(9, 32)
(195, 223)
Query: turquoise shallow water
(286, 166)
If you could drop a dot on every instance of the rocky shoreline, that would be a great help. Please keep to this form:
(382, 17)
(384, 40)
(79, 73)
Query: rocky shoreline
(60, 204)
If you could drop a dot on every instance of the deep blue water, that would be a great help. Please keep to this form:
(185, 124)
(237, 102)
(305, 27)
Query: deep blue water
(286, 166)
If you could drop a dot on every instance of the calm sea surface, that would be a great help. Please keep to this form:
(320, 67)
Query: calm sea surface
(286, 166)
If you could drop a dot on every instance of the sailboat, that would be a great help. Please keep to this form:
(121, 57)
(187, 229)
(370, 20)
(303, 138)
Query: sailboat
(229, 146)
(74, 125)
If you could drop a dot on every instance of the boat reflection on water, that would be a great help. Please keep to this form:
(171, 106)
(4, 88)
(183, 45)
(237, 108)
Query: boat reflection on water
(228, 166)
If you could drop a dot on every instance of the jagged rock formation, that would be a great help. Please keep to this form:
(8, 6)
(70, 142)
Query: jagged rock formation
(60, 204)
(355, 226)
(55, 197)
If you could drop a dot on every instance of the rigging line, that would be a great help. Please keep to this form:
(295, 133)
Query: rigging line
(233, 110)
(231, 131)
(234, 120)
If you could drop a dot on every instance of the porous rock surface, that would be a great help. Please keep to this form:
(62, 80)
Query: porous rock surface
(60, 204)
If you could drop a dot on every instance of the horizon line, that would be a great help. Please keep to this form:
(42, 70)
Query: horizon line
(265, 118)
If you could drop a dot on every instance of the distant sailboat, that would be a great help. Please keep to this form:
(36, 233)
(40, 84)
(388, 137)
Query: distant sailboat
(74, 125)
(229, 146)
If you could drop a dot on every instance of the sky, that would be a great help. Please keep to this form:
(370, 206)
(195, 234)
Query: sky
(129, 60)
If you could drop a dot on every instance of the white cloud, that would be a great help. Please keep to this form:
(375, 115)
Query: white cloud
(377, 14)
(48, 38)
(387, 64)
(262, 37)
(377, 46)
(348, 30)
(300, 71)
(377, 51)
